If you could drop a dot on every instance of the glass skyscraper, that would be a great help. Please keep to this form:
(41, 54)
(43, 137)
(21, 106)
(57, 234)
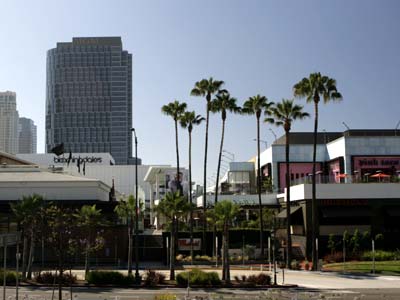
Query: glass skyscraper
(89, 97)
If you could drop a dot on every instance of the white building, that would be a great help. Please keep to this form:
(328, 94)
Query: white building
(8, 122)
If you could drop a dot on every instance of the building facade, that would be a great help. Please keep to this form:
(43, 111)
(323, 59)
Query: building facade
(89, 97)
(8, 122)
(27, 136)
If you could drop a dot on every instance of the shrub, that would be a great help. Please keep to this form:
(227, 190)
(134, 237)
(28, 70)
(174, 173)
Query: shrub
(253, 280)
(334, 258)
(153, 278)
(50, 278)
(306, 265)
(198, 277)
(109, 277)
(295, 265)
(381, 255)
(10, 276)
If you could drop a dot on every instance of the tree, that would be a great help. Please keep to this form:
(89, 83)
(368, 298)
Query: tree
(206, 88)
(28, 215)
(188, 120)
(256, 106)
(284, 113)
(126, 210)
(61, 236)
(331, 243)
(223, 214)
(175, 110)
(173, 206)
(89, 218)
(313, 88)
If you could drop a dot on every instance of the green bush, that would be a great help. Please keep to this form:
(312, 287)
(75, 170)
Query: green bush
(253, 280)
(381, 255)
(295, 265)
(10, 276)
(109, 277)
(154, 278)
(198, 277)
(50, 278)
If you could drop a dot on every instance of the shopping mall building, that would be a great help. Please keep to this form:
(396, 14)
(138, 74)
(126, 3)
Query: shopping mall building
(358, 186)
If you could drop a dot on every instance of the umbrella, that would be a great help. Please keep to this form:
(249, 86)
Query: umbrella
(344, 175)
(380, 175)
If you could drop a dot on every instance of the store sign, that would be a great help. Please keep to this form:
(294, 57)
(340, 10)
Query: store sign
(364, 162)
(88, 159)
(184, 244)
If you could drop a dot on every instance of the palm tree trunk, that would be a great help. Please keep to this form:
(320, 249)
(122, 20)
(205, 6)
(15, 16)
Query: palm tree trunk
(130, 231)
(31, 253)
(259, 189)
(87, 260)
(190, 195)
(172, 252)
(216, 185)
(177, 152)
(24, 257)
(314, 195)
(204, 238)
(228, 270)
(288, 221)
(224, 254)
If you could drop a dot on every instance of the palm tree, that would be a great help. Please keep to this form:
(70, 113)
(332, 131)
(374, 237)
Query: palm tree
(256, 106)
(206, 88)
(313, 88)
(223, 214)
(28, 215)
(223, 103)
(284, 113)
(175, 110)
(126, 210)
(173, 206)
(89, 219)
(188, 120)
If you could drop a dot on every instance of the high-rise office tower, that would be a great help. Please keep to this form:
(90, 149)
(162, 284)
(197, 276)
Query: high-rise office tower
(8, 122)
(27, 136)
(89, 97)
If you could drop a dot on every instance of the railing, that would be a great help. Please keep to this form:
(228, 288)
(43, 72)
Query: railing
(346, 179)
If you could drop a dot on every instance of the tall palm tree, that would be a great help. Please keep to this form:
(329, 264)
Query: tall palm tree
(89, 218)
(188, 120)
(223, 103)
(223, 214)
(126, 210)
(206, 88)
(256, 106)
(175, 110)
(28, 215)
(313, 88)
(173, 207)
(284, 113)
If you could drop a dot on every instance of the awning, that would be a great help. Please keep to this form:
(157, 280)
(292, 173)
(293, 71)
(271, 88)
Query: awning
(282, 214)
(345, 212)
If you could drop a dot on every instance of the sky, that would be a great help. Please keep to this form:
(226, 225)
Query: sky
(254, 46)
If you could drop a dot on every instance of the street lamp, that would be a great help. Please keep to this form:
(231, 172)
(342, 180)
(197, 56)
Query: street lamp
(232, 156)
(262, 141)
(273, 133)
(137, 276)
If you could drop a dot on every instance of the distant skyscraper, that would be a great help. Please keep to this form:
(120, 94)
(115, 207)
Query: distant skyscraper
(89, 97)
(27, 135)
(8, 122)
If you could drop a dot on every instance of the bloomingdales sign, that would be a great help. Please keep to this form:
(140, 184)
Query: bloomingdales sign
(88, 159)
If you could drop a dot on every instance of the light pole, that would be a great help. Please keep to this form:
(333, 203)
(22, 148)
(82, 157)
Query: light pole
(137, 276)
(262, 141)
(273, 133)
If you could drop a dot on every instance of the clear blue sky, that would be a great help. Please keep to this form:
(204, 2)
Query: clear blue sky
(254, 46)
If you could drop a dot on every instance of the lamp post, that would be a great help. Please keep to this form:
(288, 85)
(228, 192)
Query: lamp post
(137, 276)
(262, 141)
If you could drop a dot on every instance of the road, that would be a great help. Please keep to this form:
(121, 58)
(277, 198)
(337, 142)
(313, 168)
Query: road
(311, 286)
